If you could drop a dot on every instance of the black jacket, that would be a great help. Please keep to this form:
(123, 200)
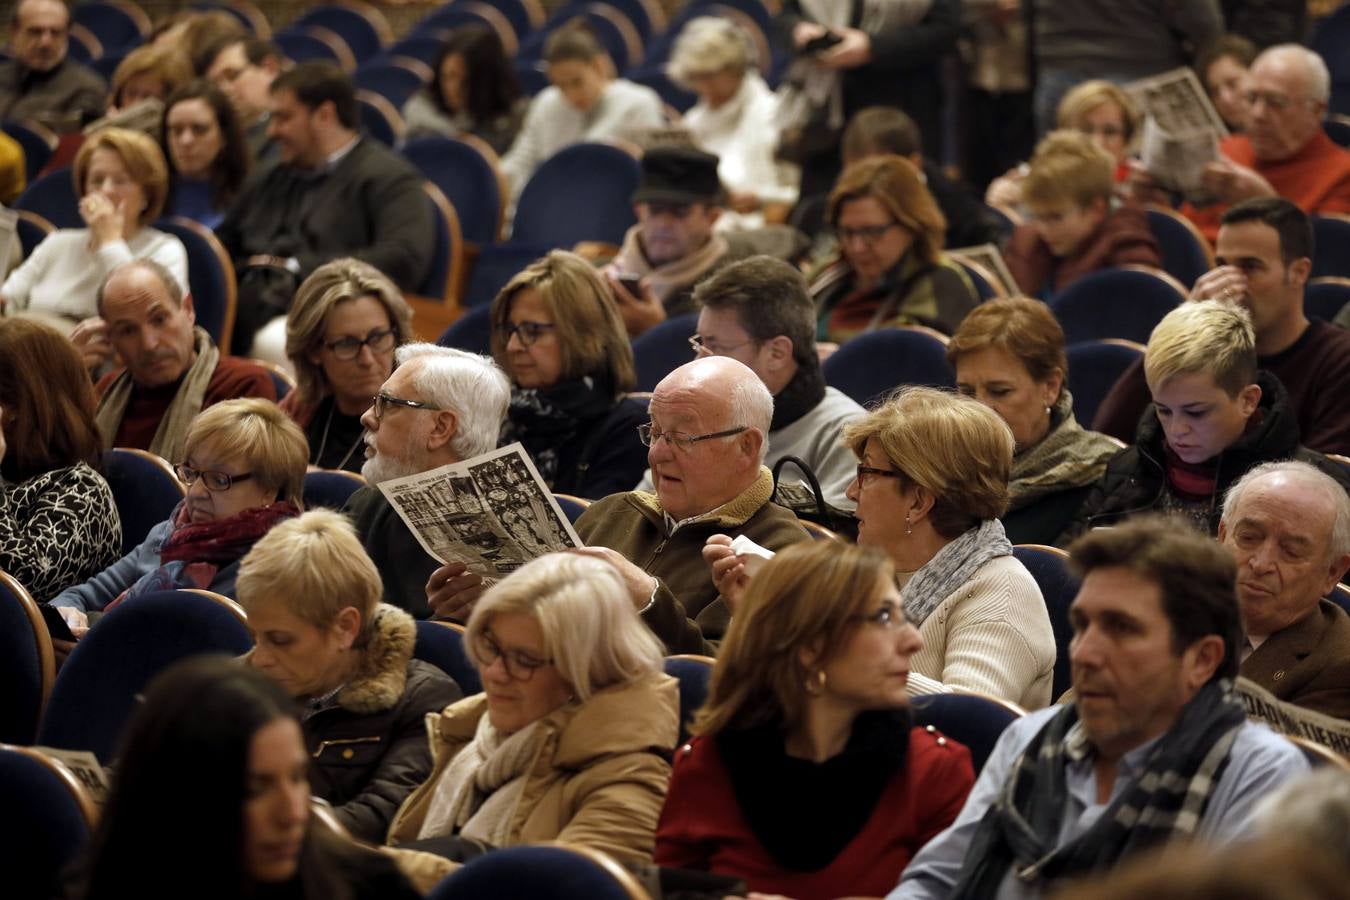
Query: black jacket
(1135, 479)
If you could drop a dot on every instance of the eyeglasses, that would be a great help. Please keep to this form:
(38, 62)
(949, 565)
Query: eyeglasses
(382, 401)
(1274, 102)
(649, 435)
(712, 348)
(214, 481)
(528, 332)
(888, 615)
(868, 234)
(519, 665)
(1108, 131)
(865, 473)
(350, 348)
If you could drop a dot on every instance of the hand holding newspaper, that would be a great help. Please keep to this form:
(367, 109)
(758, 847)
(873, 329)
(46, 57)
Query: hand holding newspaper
(1182, 130)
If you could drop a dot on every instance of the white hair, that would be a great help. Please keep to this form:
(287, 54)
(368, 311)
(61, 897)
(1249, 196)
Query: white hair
(1311, 809)
(1314, 68)
(751, 405)
(469, 385)
(1316, 480)
(709, 45)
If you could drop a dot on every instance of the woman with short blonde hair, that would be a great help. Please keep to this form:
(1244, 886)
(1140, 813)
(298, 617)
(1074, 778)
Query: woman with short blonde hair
(557, 332)
(147, 72)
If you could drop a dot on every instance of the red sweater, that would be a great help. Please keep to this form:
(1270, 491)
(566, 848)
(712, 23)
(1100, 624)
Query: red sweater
(702, 827)
(1316, 179)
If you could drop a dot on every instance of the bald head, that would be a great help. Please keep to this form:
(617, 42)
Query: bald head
(1288, 88)
(150, 322)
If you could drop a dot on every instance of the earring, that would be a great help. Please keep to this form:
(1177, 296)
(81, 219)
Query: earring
(815, 685)
(909, 527)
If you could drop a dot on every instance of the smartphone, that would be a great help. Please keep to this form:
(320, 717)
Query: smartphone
(824, 42)
(56, 626)
(632, 284)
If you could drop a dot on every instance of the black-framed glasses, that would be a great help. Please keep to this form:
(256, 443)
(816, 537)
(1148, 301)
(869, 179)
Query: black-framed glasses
(888, 615)
(527, 331)
(520, 665)
(868, 234)
(865, 471)
(712, 348)
(348, 348)
(382, 401)
(214, 481)
(649, 435)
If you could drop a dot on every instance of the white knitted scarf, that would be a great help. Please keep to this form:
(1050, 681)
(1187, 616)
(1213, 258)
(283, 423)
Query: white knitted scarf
(478, 791)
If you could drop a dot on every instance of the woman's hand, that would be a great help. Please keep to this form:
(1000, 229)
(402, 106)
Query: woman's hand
(804, 33)
(452, 591)
(77, 621)
(90, 337)
(105, 219)
(853, 51)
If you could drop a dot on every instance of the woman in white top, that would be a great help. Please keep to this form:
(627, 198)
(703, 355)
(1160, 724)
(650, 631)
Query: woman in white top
(734, 119)
(122, 179)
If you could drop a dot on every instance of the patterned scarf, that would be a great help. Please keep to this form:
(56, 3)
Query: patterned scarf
(951, 567)
(1021, 828)
(546, 420)
(488, 765)
(1067, 457)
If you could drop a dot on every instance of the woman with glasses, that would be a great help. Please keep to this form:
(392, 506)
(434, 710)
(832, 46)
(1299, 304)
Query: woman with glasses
(890, 269)
(806, 777)
(313, 601)
(557, 333)
(341, 333)
(244, 469)
(570, 738)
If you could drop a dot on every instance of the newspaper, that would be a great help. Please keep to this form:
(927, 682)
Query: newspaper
(493, 513)
(1181, 132)
(989, 258)
(1295, 721)
(1176, 101)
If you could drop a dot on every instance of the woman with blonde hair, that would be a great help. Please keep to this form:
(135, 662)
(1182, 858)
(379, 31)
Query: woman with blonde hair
(890, 269)
(806, 777)
(557, 333)
(343, 327)
(122, 179)
(149, 72)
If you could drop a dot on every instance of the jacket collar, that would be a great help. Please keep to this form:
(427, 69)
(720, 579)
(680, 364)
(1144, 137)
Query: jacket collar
(383, 673)
(732, 514)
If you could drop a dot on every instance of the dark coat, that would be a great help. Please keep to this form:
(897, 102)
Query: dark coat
(403, 565)
(1135, 479)
(1308, 663)
(606, 456)
(1043, 520)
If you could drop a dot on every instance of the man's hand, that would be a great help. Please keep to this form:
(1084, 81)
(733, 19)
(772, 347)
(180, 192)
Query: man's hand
(452, 591)
(77, 621)
(1142, 188)
(1226, 283)
(641, 312)
(805, 32)
(1229, 182)
(729, 573)
(90, 337)
(640, 585)
(853, 51)
(103, 217)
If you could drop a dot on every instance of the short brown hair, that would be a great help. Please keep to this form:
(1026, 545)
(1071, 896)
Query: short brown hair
(586, 320)
(894, 183)
(1089, 95)
(48, 401)
(167, 64)
(968, 478)
(1195, 575)
(268, 440)
(770, 298)
(143, 159)
(1020, 326)
(574, 41)
(1069, 167)
(880, 129)
(808, 595)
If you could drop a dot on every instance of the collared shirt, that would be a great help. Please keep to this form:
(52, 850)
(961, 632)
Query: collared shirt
(1259, 761)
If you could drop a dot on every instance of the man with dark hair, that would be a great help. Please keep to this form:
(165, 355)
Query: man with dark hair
(331, 193)
(757, 312)
(1154, 747)
(244, 69)
(1264, 257)
(41, 83)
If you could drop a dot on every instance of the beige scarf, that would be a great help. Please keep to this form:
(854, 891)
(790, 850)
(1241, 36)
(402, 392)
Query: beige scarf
(665, 280)
(479, 789)
(172, 430)
(1068, 457)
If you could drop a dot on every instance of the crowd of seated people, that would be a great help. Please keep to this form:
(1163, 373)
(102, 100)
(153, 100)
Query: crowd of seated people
(1201, 565)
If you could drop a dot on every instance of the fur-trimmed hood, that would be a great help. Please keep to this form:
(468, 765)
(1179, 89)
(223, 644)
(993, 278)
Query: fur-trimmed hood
(380, 679)
(732, 514)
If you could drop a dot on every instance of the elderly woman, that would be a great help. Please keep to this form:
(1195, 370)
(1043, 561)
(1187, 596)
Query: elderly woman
(1009, 355)
(313, 603)
(734, 119)
(244, 467)
(207, 152)
(341, 333)
(210, 792)
(809, 691)
(58, 522)
(475, 92)
(571, 737)
(890, 269)
(559, 336)
(123, 179)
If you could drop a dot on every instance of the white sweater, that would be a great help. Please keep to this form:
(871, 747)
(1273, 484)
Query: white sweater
(62, 275)
(992, 635)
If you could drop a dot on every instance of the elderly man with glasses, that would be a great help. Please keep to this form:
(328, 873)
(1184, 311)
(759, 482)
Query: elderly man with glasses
(706, 440)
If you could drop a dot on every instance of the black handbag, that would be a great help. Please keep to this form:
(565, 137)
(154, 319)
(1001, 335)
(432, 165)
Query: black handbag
(807, 500)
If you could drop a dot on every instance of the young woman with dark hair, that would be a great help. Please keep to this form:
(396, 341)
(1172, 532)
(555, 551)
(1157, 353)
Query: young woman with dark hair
(474, 92)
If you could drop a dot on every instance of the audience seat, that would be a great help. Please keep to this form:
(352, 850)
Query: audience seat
(973, 719)
(571, 506)
(380, 119)
(873, 364)
(445, 276)
(662, 349)
(694, 672)
(422, 46)
(27, 663)
(1185, 252)
(145, 489)
(474, 12)
(1324, 297)
(1007, 218)
(106, 65)
(472, 332)
(1116, 303)
(581, 193)
(96, 689)
(83, 46)
(38, 143)
(1319, 755)
(394, 78)
(646, 16)
(987, 284)
(330, 488)
(555, 871)
(53, 197)
(442, 644)
(210, 277)
(468, 173)
(1331, 246)
(1340, 595)
(674, 96)
(245, 11)
(119, 24)
(361, 26)
(303, 44)
(494, 266)
(1049, 567)
(32, 229)
(1331, 40)
(611, 27)
(1094, 368)
(531, 76)
(282, 380)
(1337, 127)
(47, 819)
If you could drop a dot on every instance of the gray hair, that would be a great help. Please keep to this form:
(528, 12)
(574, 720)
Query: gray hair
(158, 269)
(1314, 478)
(709, 45)
(1311, 809)
(1314, 68)
(751, 405)
(470, 385)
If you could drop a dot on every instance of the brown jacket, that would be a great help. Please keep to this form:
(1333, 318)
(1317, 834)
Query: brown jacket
(1308, 663)
(1123, 238)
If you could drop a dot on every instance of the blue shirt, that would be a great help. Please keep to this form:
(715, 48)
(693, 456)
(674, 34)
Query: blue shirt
(1259, 761)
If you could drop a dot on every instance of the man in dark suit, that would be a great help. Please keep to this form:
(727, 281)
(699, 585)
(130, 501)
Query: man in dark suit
(1288, 526)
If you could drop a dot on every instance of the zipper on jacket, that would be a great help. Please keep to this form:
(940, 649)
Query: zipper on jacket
(338, 742)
